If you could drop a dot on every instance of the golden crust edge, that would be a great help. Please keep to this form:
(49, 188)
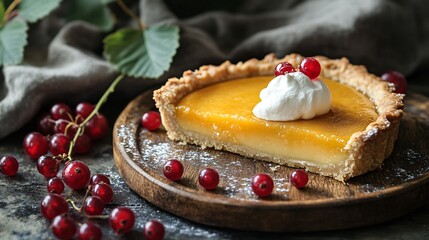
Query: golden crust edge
(363, 148)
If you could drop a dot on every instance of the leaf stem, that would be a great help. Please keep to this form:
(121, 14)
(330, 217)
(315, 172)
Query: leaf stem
(130, 13)
(100, 103)
(9, 9)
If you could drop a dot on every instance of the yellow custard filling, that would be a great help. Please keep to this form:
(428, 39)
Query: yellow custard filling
(223, 111)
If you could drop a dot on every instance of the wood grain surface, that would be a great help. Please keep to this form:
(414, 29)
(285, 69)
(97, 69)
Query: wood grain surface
(399, 187)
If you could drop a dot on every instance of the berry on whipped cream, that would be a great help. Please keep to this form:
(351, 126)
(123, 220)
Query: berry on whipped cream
(293, 96)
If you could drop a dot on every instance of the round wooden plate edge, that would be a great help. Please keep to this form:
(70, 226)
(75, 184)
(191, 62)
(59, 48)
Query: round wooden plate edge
(154, 190)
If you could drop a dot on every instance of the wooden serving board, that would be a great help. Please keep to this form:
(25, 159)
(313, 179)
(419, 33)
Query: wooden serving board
(401, 186)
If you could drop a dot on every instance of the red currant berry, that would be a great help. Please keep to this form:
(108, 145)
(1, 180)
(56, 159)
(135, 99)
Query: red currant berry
(397, 79)
(208, 178)
(299, 178)
(99, 178)
(76, 174)
(53, 205)
(89, 231)
(8, 166)
(63, 227)
(103, 191)
(262, 185)
(310, 67)
(60, 111)
(55, 185)
(154, 230)
(48, 166)
(35, 145)
(45, 125)
(83, 110)
(83, 144)
(173, 169)
(283, 68)
(60, 125)
(93, 205)
(151, 120)
(59, 144)
(97, 127)
(122, 220)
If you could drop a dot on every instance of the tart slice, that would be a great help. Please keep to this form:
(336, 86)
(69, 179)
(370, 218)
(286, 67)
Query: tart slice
(212, 107)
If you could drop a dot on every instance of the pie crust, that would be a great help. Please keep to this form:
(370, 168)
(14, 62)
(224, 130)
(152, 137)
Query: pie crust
(366, 150)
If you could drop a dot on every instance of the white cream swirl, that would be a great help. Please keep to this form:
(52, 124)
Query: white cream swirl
(293, 96)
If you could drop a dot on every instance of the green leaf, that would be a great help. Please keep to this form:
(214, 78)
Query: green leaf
(95, 12)
(13, 38)
(33, 10)
(139, 53)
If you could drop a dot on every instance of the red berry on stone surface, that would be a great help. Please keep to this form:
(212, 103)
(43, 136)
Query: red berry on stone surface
(53, 205)
(55, 185)
(45, 125)
(89, 231)
(397, 79)
(103, 191)
(9, 166)
(83, 110)
(310, 67)
(151, 120)
(208, 178)
(97, 127)
(59, 144)
(48, 166)
(283, 68)
(122, 220)
(173, 169)
(299, 178)
(99, 178)
(35, 145)
(83, 144)
(76, 174)
(93, 205)
(63, 227)
(154, 230)
(262, 185)
(60, 111)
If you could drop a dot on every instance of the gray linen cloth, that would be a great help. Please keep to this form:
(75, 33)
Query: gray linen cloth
(63, 62)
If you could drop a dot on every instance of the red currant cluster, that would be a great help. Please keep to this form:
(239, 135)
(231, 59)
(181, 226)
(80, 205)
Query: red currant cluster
(60, 127)
(55, 208)
(75, 174)
(309, 66)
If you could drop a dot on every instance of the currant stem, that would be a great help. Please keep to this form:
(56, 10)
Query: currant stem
(9, 9)
(98, 216)
(84, 197)
(74, 205)
(100, 103)
(130, 13)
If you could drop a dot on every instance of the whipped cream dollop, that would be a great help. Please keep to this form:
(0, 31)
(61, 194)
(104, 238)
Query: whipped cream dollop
(293, 96)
